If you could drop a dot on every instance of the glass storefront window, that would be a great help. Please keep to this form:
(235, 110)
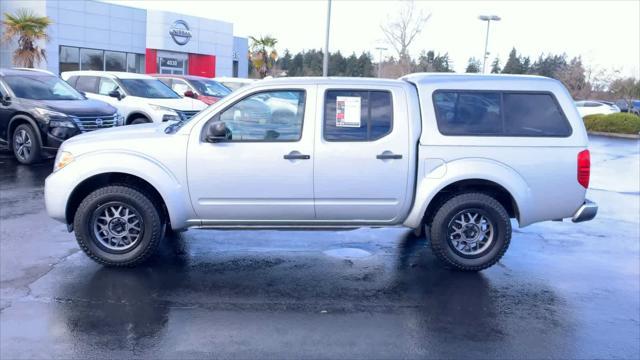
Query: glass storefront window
(135, 63)
(91, 59)
(73, 58)
(115, 61)
(69, 58)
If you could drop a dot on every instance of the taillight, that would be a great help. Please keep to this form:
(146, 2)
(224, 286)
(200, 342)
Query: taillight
(584, 168)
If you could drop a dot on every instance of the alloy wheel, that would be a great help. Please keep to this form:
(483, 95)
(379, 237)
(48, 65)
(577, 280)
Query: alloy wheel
(117, 226)
(470, 232)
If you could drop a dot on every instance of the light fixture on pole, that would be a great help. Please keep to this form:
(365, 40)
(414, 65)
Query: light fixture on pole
(381, 49)
(488, 19)
(325, 58)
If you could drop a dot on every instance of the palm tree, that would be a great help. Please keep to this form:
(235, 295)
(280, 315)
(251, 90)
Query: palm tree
(263, 54)
(29, 28)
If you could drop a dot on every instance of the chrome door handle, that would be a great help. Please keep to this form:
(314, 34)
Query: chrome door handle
(388, 155)
(295, 155)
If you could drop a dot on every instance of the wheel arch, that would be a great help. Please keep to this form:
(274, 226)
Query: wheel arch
(487, 187)
(471, 175)
(137, 114)
(22, 118)
(97, 181)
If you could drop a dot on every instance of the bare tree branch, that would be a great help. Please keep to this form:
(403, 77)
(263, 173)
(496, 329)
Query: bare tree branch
(401, 30)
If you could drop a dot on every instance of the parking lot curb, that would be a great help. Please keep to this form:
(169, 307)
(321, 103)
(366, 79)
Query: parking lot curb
(616, 135)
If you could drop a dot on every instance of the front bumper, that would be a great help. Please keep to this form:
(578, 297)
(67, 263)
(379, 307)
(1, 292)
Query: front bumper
(586, 212)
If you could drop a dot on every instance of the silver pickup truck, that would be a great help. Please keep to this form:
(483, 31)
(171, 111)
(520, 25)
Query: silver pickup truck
(455, 155)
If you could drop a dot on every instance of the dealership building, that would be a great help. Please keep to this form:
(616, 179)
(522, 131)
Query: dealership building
(94, 35)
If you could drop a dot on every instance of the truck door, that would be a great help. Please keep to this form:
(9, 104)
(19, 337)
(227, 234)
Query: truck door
(263, 173)
(361, 155)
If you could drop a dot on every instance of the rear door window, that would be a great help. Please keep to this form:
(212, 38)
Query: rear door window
(357, 115)
(87, 84)
(499, 113)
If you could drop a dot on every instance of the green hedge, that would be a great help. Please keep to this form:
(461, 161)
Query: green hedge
(621, 123)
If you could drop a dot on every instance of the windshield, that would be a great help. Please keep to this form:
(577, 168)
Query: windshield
(210, 88)
(41, 88)
(148, 88)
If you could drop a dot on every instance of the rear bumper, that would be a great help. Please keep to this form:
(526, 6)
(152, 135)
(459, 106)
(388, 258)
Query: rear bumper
(586, 212)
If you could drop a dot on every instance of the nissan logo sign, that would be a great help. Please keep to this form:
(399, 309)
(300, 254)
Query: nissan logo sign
(180, 32)
(99, 122)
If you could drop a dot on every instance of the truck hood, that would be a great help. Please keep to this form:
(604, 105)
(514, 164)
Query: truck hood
(117, 138)
(183, 104)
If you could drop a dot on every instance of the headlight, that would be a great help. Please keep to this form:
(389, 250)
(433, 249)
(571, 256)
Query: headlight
(119, 119)
(171, 116)
(63, 158)
(47, 114)
(62, 123)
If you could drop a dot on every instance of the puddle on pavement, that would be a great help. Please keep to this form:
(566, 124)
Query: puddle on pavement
(347, 253)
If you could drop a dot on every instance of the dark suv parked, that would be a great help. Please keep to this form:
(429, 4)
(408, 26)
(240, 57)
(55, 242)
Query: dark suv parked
(624, 106)
(38, 111)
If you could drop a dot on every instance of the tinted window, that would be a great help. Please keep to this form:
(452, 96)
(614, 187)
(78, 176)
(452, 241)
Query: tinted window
(72, 81)
(361, 115)
(499, 114)
(115, 61)
(87, 84)
(266, 116)
(461, 113)
(148, 88)
(91, 59)
(41, 88)
(534, 115)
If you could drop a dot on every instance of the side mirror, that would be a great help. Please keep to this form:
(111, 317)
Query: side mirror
(218, 132)
(116, 94)
(190, 94)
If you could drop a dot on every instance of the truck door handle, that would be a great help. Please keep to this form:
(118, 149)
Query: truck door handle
(388, 155)
(295, 155)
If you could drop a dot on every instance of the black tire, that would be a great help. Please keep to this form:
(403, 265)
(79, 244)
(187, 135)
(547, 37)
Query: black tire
(26, 144)
(139, 203)
(470, 203)
(139, 120)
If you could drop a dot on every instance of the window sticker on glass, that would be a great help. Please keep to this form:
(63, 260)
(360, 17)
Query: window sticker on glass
(348, 111)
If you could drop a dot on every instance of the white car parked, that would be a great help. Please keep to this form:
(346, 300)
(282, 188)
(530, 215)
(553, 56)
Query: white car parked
(139, 98)
(455, 155)
(590, 107)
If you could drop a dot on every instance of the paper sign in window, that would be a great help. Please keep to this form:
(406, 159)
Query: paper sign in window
(348, 111)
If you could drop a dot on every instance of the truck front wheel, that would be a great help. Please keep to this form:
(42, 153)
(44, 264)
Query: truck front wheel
(118, 226)
(470, 231)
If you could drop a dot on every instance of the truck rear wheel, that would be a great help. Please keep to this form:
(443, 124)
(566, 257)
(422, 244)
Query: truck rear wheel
(118, 226)
(470, 231)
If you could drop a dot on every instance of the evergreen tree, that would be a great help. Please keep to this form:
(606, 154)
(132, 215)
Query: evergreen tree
(473, 66)
(514, 63)
(495, 66)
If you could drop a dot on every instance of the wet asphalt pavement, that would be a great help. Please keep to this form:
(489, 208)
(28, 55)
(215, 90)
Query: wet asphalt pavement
(562, 290)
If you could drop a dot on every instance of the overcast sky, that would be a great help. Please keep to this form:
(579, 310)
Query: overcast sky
(605, 33)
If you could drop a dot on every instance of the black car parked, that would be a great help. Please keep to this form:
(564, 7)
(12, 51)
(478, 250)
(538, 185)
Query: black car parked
(624, 106)
(38, 111)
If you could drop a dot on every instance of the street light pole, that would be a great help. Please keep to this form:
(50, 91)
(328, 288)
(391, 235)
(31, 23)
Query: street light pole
(488, 19)
(381, 49)
(325, 58)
